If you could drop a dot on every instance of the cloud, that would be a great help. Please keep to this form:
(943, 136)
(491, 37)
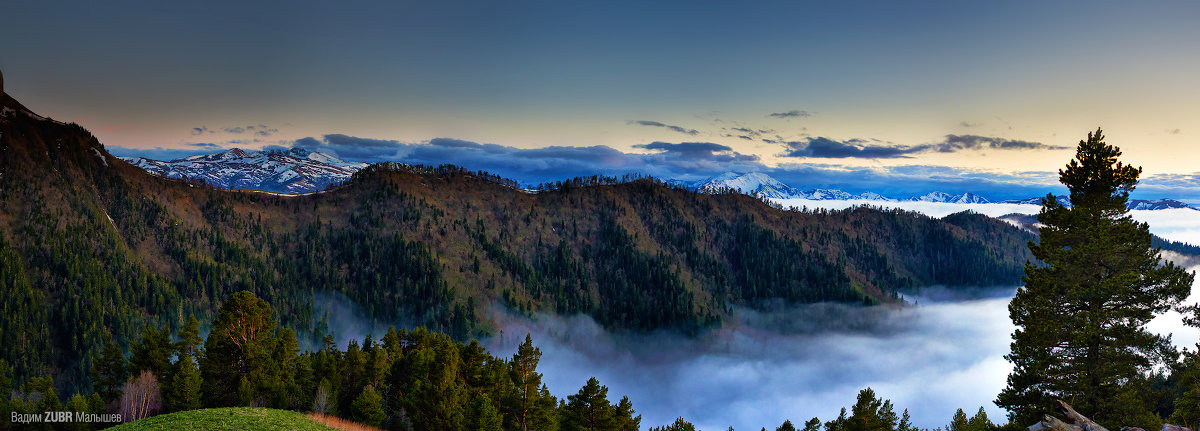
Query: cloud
(196, 131)
(1172, 131)
(259, 130)
(692, 132)
(206, 145)
(688, 149)
(822, 147)
(790, 114)
(786, 362)
(954, 143)
(354, 148)
(967, 124)
(686, 160)
(160, 153)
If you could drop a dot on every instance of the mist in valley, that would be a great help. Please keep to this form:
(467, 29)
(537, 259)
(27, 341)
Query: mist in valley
(763, 367)
(942, 352)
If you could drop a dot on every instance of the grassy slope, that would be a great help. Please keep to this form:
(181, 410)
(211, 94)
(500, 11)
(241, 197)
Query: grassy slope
(231, 418)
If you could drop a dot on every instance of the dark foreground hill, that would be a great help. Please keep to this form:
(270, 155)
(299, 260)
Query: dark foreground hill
(91, 246)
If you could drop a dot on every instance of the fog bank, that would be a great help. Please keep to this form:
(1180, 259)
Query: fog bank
(944, 353)
(789, 363)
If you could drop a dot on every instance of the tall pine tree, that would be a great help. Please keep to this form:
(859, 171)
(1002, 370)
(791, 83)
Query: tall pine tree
(1081, 315)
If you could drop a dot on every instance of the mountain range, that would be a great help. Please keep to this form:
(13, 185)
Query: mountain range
(764, 186)
(293, 171)
(300, 171)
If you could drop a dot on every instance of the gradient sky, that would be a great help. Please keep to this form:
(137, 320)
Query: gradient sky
(896, 97)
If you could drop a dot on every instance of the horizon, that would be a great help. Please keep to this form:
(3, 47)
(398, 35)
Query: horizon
(889, 98)
(133, 155)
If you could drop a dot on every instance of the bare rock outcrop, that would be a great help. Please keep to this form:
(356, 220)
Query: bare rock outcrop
(1077, 422)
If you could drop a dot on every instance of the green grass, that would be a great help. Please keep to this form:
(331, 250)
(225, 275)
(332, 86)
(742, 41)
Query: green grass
(230, 418)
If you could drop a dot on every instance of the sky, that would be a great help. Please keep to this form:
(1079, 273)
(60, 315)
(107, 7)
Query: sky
(891, 97)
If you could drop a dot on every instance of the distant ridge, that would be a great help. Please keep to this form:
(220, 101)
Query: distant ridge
(293, 171)
(764, 186)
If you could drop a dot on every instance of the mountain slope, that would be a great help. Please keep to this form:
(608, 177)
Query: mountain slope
(92, 246)
(293, 171)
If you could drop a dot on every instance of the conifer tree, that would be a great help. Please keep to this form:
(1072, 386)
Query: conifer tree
(151, 352)
(589, 409)
(367, 408)
(184, 390)
(109, 371)
(527, 380)
(484, 416)
(623, 416)
(1082, 312)
(959, 422)
(980, 421)
(237, 351)
(189, 339)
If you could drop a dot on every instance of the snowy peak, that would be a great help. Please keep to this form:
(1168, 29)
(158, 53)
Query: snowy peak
(1157, 204)
(942, 197)
(754, 183)
(970, 198)
(293, 171)
(764, 186)
(933, 197)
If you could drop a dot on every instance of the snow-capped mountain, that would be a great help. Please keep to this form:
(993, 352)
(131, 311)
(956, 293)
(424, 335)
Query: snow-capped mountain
(965, 198)
(754, 183)
(293, 171)
(933, 197)
(764, 186)
(1157, 204)
(1133, 204)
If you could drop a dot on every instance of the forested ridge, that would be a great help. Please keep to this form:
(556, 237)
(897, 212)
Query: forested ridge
(92, 247)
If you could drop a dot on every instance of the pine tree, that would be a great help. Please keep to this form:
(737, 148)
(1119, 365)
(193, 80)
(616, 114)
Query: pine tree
(678, 425)
(184, 390)
(904, 425)
(870, 413)
(980, 421)
(589, 409)
(189, 339)
(151, 352)
(484, 416)
(237, 351)
(367, 408)
(1081, 315)
(958, 422)
(787, 426)
(109, 371)
(527, 380)
(623, 416)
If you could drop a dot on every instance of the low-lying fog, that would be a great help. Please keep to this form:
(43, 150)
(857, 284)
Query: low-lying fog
(791, 363)
(795, 363)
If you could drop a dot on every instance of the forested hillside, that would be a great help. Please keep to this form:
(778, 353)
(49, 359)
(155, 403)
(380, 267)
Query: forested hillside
(91, 246)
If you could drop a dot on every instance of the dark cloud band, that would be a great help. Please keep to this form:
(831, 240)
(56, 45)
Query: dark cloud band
(685, 131)
(825, 148)
(791, 114)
